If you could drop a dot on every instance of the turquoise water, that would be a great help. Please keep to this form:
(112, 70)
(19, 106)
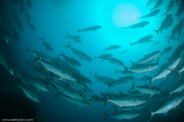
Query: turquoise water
(53, 19)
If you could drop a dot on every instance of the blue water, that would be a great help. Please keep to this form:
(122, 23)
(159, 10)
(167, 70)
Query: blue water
(53, 19)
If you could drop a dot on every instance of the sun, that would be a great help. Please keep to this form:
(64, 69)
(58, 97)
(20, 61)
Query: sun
(125, 14)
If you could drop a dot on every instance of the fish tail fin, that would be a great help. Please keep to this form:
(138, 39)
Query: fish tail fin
(152, 114)
(175, 70)
(157, 31)
(179, 74)
(115, 71)
(126, 68)
(105, 115)
(133, 63)
(27, 50)
(157, 61)
(151, 9)
(133, 85)
(105, 102)
(150, 79)
(68, 46)
(115, 109)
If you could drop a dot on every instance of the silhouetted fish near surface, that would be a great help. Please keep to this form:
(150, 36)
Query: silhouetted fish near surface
(103, 56)
(166, 50)
(167, 22)
(138, 25)
(165, 70)
(93, 28)
(180, 8)
(169, 105)
(177, 30)
(148, 58)
(115, 61)
(159, 2)
(71, 60)
(112, 47)
(151, 14)
(32, 27)
(79, 53)
(46, 45)
(170, 6)
(122, 115)
(142, 40)
(74, 38)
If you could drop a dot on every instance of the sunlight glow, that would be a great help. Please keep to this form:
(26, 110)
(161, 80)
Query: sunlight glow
(125, 14)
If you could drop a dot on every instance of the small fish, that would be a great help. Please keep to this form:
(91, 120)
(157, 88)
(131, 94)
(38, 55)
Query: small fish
(180, 8)
(142, 68)
(57, 70)
(159, 2)
(103, 57)
(179, 88)
(166, 50)
(30, 94)
(166, 69)
(93, 28)
(72, 61)
(138, 25)
(167, 22)
(112, 47)
(151, 14)
(115, 61)
(46, 45)
(170, 6)
(169, 105)
(126, 101)
(123, 115)
(147, 89)
(177, 30)
(148, 58)
(142, 40)
(74, 38)
(32, 27)
(79, 53)
(80, 103)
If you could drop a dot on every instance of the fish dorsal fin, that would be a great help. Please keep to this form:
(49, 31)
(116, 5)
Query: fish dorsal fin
(122, 94)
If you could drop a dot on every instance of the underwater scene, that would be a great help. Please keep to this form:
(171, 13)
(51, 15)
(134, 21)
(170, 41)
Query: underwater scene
(92, 60)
